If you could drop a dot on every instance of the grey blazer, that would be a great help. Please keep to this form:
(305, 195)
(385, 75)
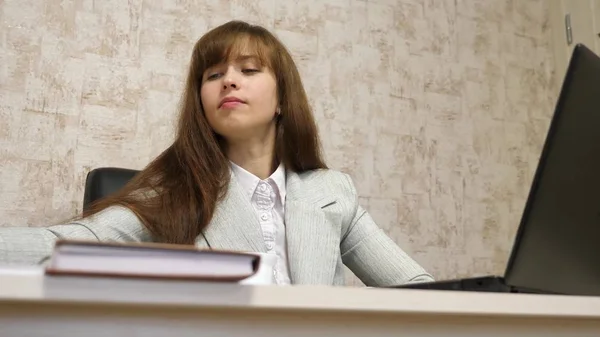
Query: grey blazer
(325, 230)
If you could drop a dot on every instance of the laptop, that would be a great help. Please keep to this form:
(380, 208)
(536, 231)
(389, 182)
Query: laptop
(557, 245)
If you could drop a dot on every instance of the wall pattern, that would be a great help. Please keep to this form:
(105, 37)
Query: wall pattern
(437, 108)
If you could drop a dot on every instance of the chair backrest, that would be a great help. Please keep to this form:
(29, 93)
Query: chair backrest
(105, 181)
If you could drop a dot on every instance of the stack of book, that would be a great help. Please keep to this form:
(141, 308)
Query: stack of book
(149, 261)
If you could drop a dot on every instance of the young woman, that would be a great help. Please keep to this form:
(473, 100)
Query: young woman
(244, 173)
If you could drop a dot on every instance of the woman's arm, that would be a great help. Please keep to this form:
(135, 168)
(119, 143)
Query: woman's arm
(31, 245)
(375, 258)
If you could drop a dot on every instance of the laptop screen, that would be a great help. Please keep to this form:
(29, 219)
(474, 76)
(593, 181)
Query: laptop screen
(557, 248)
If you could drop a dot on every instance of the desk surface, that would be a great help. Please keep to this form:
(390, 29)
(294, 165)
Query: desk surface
(25, 292)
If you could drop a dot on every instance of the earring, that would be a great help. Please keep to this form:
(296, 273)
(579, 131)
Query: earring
(278, 111)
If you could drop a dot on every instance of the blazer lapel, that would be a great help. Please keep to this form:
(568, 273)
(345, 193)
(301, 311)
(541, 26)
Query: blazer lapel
(234, 225)
(313, 244)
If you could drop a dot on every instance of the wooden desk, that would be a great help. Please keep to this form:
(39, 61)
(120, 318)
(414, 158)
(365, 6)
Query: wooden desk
(30, 306)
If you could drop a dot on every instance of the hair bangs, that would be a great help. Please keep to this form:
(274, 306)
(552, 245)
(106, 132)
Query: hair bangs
(230, 46)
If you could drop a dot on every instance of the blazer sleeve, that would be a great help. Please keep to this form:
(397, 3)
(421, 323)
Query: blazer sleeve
(31, 245)
(373, 256)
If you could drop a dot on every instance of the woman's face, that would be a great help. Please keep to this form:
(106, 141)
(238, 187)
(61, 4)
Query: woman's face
(239, 98)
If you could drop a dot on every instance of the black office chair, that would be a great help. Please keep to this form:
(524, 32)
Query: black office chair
(104, 181)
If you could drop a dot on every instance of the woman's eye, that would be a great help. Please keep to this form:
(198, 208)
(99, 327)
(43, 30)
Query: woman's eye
(213, 76)
(250, 71)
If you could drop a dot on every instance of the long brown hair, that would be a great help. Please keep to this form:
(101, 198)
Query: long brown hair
(176, 194)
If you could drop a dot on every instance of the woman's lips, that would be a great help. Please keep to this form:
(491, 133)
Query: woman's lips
(231, 104)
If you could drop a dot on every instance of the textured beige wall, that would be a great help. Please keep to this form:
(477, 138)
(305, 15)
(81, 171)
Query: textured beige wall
(437, 108)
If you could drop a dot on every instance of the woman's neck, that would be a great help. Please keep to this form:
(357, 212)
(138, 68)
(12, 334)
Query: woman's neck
(253, 155)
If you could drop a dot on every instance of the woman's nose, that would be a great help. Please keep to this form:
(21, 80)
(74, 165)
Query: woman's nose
(231, 80)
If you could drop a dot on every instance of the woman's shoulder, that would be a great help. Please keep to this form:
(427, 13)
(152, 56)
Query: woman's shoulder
(329, 180)
(330, 187)
(323, 175)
